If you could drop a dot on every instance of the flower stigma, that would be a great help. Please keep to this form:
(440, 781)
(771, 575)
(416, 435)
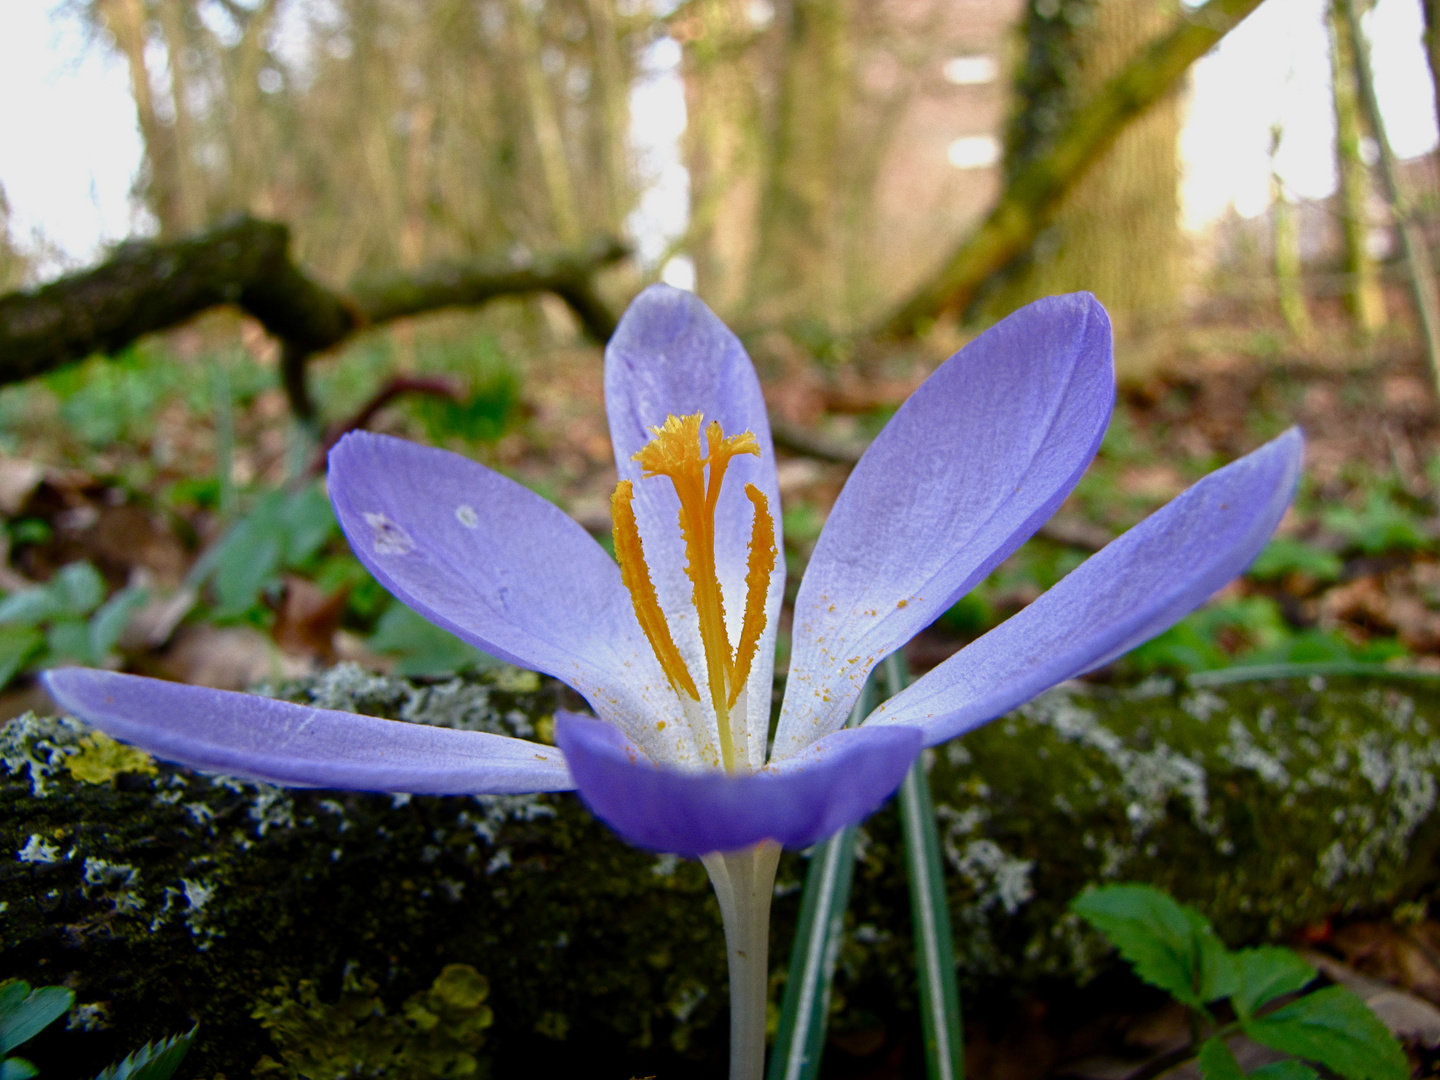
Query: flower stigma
(677, 452)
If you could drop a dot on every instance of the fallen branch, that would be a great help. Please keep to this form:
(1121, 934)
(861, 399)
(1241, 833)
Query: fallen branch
(147, 286)
(1035, 192)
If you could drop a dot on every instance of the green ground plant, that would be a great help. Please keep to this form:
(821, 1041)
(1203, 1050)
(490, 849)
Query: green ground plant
(1174, 947)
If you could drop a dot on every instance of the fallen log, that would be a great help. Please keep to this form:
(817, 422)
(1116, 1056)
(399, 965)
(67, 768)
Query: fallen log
(148, 286)
(162, 896)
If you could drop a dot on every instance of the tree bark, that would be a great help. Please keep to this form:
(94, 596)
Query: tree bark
(545, 124)
(147, 287)
(796, 272)
(1417, 253)
(1431, 10)
(1116, 233)
(1033, 194)
(125, 19)
(1285, 236)
(1364, 299)
(723, 147)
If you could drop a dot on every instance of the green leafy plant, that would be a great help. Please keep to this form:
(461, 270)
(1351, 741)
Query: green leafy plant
(436, 1034)
(1286, 555)
(156, 1060)
(1382, 525)
(1172, 946)
(282, 531)
(24, 1013)
(66, 619)
(420, 647)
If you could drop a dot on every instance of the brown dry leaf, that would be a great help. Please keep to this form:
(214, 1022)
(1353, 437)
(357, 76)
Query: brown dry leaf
(229, 658)
(306, 619)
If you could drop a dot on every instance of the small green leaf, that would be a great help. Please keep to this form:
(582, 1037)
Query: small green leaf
(1285, 1070)
(153, 1061)
(1336, 1029)
(107, 624)
(23, 1017)
(28, 607)
(19, 645)
(78, 589)
(1218, 975)
(1218, 1063)
(68, 639)
(1171, 946)
(308, 522)
(17, 1069)
(421, 647)
(1265, 974)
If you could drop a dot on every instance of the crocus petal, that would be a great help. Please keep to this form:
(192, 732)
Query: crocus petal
(969, 467)
(837, 782)
(501, 568)
(1131, 590)
(283, 743)
(671, 355)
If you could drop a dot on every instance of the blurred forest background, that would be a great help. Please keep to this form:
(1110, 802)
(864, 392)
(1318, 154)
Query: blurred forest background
(857, 187)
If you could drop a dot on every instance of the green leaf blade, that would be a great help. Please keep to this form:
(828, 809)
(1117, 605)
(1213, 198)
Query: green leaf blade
(1334, 1028)
(1171, 946)
(24, 1017)
(153, 1061)
(1218, 1063)
(1265, 974)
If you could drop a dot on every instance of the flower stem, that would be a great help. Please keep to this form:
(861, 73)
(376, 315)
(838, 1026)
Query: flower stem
(744, 883)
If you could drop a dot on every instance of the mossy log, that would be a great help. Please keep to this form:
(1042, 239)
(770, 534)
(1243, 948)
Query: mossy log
(148, 286)
(162, 896)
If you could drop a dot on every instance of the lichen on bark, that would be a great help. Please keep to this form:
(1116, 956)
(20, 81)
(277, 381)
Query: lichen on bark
(168, 897)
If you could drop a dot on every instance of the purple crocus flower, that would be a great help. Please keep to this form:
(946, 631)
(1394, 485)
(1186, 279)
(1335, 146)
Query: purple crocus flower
(673, 648)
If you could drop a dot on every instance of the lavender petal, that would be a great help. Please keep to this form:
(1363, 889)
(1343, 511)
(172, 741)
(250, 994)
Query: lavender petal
(836, 782)
(297, 746)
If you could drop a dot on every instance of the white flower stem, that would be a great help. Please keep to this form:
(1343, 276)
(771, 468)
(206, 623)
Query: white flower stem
(744, 883)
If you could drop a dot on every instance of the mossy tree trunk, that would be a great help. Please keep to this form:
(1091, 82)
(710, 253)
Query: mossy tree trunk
(797, 272)
(724, 146)
(1117, 232)
(1364, 299)
(1285, 237)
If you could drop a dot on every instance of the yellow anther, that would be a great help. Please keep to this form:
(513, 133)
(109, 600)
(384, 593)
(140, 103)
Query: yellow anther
(636, 576)
(757, 585)
(676, 452)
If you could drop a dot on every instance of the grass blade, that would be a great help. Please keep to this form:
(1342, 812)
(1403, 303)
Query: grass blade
(805, 1011)
(929, 912)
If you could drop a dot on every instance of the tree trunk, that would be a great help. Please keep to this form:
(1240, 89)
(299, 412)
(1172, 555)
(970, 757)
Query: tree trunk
(1285, 235)
(1033, 193)
(189, 185)
(545, 124)
(1364, 299)
(1117, 234)
(1431, 9)
(125, 19)
(723, 147)
(797, 273)
(611, 105)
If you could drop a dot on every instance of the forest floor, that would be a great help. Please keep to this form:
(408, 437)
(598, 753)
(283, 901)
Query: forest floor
(159, 517)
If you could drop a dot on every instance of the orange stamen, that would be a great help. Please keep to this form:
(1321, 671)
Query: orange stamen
(635, 574)
(675, 452)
